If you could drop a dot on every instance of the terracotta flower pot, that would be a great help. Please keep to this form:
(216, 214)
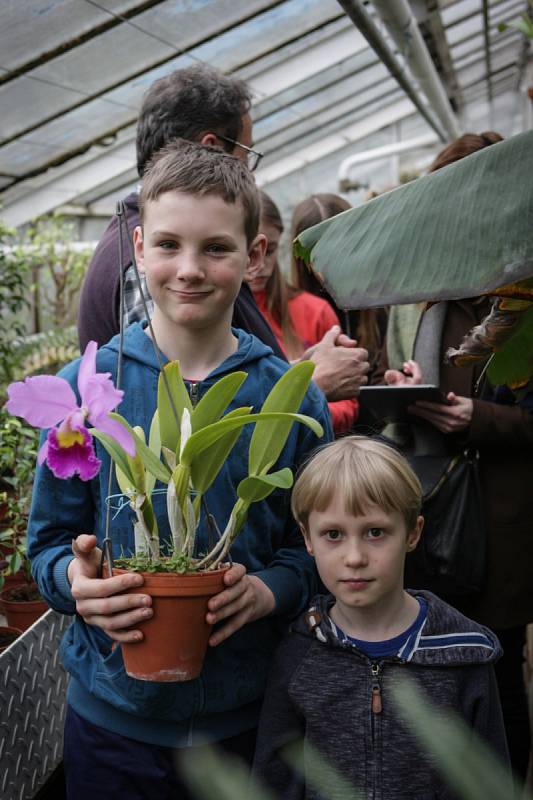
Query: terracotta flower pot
(20, 607)
(8, 636)
(175, 638)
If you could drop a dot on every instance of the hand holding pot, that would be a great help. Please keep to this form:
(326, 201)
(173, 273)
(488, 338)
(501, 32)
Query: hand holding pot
(100, 601)
(245, 599)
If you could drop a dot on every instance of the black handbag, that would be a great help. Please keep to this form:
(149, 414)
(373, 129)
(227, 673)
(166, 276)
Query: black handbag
(450, 558)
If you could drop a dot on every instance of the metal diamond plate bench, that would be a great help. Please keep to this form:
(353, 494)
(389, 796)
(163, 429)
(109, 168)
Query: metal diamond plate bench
(32, 708)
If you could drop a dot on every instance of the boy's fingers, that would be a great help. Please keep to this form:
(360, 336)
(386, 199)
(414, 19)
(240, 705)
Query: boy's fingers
(107, 606)
(83, 545)
(227, 630)
(224, 598)
(119, 622)
(234, 574)
(84, 587)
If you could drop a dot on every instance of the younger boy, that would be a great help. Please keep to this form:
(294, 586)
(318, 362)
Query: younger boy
(200, 213)
(358, 505)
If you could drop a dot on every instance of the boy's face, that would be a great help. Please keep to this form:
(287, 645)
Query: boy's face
(193, 251)
(360, 559)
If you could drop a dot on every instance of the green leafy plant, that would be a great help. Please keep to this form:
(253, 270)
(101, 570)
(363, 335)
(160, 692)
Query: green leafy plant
(13, 303)
(524, 24)
(18, 452)
(461, 231)
(194, 444)
(57, 266)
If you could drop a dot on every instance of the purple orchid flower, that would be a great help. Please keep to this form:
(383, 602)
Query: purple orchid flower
(46, 400)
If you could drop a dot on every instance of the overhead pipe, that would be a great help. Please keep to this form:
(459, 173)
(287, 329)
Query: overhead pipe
(368, 28)
(404, 31)
(488, 60)
(377, 153)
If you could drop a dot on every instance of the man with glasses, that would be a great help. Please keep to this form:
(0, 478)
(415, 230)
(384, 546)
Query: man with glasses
(202, 105)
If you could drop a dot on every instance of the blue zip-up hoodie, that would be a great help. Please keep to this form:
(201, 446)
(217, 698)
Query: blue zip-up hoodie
(225, 699)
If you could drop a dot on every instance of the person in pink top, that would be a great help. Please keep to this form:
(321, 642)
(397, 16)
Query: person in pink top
(298, 319)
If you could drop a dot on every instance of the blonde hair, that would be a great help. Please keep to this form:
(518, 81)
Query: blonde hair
(364, 471)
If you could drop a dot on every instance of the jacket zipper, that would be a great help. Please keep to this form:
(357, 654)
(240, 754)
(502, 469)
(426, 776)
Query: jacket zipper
(193, 393)
(376, 708)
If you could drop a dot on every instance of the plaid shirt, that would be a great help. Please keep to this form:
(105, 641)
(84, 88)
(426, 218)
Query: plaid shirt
(133, 306)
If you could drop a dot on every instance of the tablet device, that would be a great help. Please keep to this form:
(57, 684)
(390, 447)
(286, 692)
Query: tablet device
(390, 403)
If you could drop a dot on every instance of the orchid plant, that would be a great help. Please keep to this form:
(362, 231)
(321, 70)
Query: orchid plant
(47, 401)
(186, 449)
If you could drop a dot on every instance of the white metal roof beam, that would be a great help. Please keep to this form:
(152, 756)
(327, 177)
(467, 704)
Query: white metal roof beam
(329, 144)
(70, 185)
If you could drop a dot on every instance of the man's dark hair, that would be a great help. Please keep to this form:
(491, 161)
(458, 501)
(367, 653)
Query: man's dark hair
(201, 170)
(188, 103)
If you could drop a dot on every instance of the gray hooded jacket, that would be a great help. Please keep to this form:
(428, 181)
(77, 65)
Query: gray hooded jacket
(333, 696)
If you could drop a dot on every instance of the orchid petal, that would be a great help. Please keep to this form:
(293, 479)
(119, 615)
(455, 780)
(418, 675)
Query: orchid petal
(87, 369)
(80, 459)
(119, 433)
(75, 421)
(42, 400)
(101, 397)
(42, 455)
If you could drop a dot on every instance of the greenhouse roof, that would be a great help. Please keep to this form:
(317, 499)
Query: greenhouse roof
(74, 72)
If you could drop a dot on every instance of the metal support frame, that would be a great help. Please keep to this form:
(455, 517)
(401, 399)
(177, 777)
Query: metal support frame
(366, 25)
(404, 31)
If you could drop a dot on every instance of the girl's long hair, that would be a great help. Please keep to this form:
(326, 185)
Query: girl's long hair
(278, 292)
(361, 325)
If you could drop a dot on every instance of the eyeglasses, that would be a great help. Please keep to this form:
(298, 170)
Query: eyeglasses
(253, 157)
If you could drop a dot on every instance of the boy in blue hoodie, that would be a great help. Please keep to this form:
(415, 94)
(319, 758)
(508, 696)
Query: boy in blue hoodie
(199, 213)
(332, 683)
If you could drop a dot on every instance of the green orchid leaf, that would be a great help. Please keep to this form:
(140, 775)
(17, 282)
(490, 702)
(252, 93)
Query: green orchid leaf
(467, 762)
(203, 439)
(180, 478)
(215, 401)
(257, 487)
(154, 443)
(204, 470)
(147, 511)
(457, 232)
(145, 455)
(513, 363)
(287, 394)
(116, 453)
(170, 458)
(124, 484)
(169, 427)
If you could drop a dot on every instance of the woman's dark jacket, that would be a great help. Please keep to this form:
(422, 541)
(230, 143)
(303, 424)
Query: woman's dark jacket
(503, 434)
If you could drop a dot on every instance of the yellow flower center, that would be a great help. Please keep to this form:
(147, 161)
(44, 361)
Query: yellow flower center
(69, 438)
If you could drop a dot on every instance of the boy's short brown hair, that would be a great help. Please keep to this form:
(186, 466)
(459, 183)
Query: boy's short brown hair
(363, 471)
(199, 169)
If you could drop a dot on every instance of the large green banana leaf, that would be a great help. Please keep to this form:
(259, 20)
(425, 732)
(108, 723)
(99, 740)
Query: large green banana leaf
(458, 232)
